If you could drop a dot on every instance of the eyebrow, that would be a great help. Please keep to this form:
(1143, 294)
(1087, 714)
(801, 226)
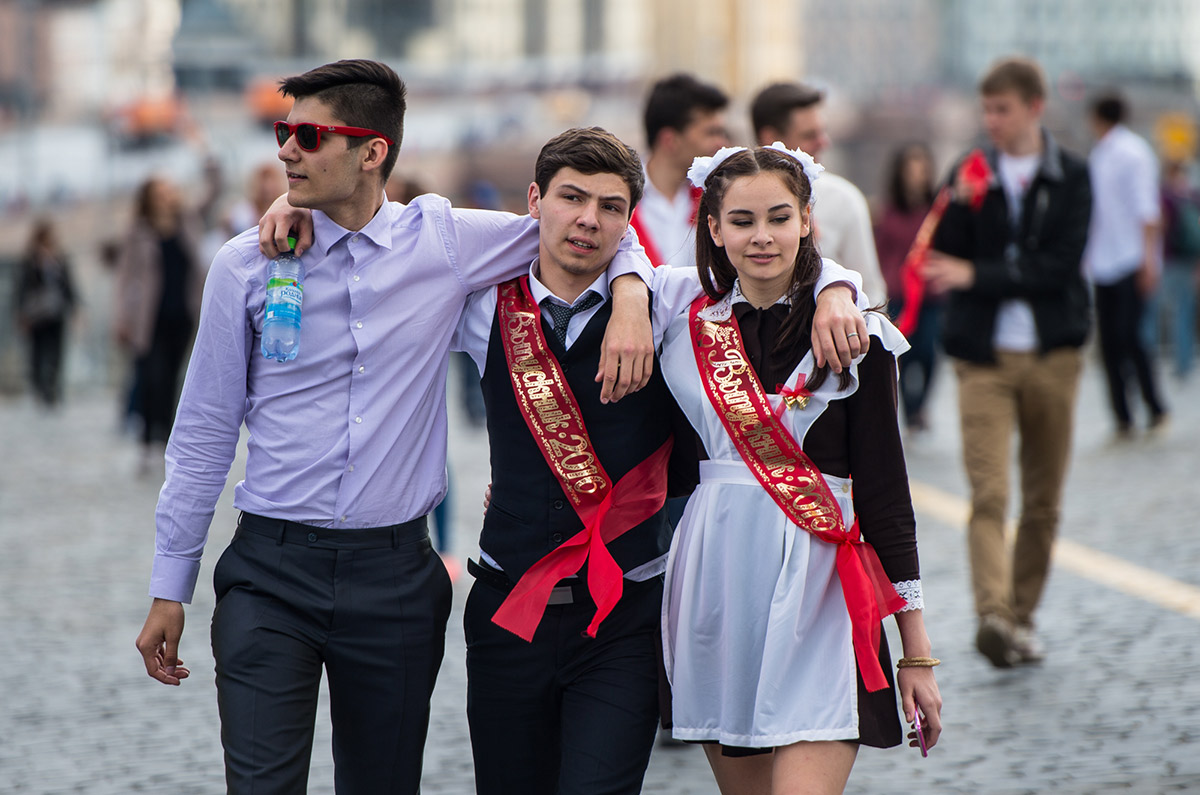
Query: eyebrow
(776, 208)
(614, 198)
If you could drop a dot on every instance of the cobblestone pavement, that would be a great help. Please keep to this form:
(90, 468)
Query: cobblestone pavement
(1115, 707)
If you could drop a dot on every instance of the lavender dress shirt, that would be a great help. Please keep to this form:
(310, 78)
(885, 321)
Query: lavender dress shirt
(352, 433)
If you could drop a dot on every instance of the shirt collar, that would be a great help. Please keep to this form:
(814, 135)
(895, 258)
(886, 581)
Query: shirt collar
(736, 296)
(326, 232)
(1050, 166)
(540, 292)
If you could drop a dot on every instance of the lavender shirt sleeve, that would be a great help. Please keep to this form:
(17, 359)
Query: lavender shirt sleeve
(207, 427)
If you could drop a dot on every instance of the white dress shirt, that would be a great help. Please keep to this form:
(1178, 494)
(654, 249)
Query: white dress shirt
(844, 235)
(669, 222)
(1125, 198)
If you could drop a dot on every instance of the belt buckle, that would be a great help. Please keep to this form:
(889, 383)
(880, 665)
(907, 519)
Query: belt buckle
(561, 595)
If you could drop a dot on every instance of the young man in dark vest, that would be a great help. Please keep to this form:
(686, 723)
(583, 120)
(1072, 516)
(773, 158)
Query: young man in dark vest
(562, 624)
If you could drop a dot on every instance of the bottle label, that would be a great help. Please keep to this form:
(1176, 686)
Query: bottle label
(291, 294)
(285, 289)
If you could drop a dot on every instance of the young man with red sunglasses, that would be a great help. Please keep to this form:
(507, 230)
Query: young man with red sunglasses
(331, 568)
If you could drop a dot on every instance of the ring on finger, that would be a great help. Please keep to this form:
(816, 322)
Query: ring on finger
(852, 334)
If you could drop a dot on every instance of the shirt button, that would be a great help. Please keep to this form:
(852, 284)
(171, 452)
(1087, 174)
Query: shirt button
(362, 368)
(350, 468)
(556, 538)
(358, 324)
(845, 488)
(343, 518)
(354, 239)
(356, 277)
(358, 420)
(558, 505)
(312, 537)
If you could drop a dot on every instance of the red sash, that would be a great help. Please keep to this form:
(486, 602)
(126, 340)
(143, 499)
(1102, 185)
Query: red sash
(792, 480)
(556, 422)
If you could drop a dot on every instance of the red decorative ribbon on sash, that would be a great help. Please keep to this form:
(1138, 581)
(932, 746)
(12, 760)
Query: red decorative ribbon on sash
(974, 176)
(790, 477)
(556, 422)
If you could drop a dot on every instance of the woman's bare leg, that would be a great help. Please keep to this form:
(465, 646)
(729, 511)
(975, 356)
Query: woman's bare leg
(820, 768)
(740, 775)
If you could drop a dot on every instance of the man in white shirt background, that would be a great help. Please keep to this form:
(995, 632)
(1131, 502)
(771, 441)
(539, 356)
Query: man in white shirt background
(684, 119)
(1123, 257)
(794, 114)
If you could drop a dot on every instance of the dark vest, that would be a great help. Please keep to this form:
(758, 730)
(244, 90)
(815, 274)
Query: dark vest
(529, 515)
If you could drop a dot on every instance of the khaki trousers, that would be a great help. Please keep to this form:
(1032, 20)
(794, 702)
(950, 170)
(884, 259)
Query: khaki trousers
(1035, 394)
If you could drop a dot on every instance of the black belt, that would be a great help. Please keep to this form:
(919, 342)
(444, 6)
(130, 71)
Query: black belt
(287, 532)
(573, 590)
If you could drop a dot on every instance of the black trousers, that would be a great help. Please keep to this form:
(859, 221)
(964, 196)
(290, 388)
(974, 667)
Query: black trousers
(370, 608)
(45, 361)
(160, 371)
(1119, 309)
(565, 713)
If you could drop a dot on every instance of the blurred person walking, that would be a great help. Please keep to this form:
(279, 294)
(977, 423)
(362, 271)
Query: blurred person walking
(1123, 255)
(1016, 318)
(45, 300)
(910, 192)
(1181, 266)
(794, 114)
(684, 119)
(159, 283)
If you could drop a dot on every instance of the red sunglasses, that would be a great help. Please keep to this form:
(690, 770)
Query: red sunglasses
(308, 135)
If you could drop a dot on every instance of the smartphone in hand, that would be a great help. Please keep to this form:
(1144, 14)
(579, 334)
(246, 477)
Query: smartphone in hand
(919, 732)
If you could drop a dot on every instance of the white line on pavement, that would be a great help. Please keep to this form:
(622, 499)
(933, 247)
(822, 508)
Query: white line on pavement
(1100, 567)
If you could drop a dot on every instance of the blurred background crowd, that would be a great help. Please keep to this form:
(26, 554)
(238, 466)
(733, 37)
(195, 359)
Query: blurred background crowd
(140, 128)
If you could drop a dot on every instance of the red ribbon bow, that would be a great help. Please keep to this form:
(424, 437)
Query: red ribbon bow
(792, 396)
(632, 500)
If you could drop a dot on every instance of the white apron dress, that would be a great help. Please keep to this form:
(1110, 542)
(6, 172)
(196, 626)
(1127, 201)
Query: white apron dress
(756, 637)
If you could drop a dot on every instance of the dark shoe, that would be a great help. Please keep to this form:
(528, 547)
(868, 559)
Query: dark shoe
(995, 641)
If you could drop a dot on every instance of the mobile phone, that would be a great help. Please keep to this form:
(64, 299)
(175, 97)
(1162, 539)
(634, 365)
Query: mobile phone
(920, 733)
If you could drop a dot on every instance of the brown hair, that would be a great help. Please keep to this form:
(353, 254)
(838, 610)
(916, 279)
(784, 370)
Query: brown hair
(360, 93)
(773, 106)
(590, 150)
(1019, 74)
(674, 102)
(717, 273)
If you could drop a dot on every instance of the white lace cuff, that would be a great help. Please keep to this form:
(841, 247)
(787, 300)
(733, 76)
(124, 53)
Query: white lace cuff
(910, 590)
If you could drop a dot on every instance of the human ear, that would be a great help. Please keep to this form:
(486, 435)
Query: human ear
(714, 229)
(375, 153)
(805, 221)
(535, 197)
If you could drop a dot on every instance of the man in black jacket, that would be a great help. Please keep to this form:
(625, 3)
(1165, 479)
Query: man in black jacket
(1016, 316)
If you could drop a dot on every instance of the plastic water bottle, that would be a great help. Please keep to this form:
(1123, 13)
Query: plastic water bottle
(285, 294)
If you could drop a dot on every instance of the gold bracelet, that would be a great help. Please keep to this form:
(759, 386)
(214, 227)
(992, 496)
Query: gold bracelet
(918, 662)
